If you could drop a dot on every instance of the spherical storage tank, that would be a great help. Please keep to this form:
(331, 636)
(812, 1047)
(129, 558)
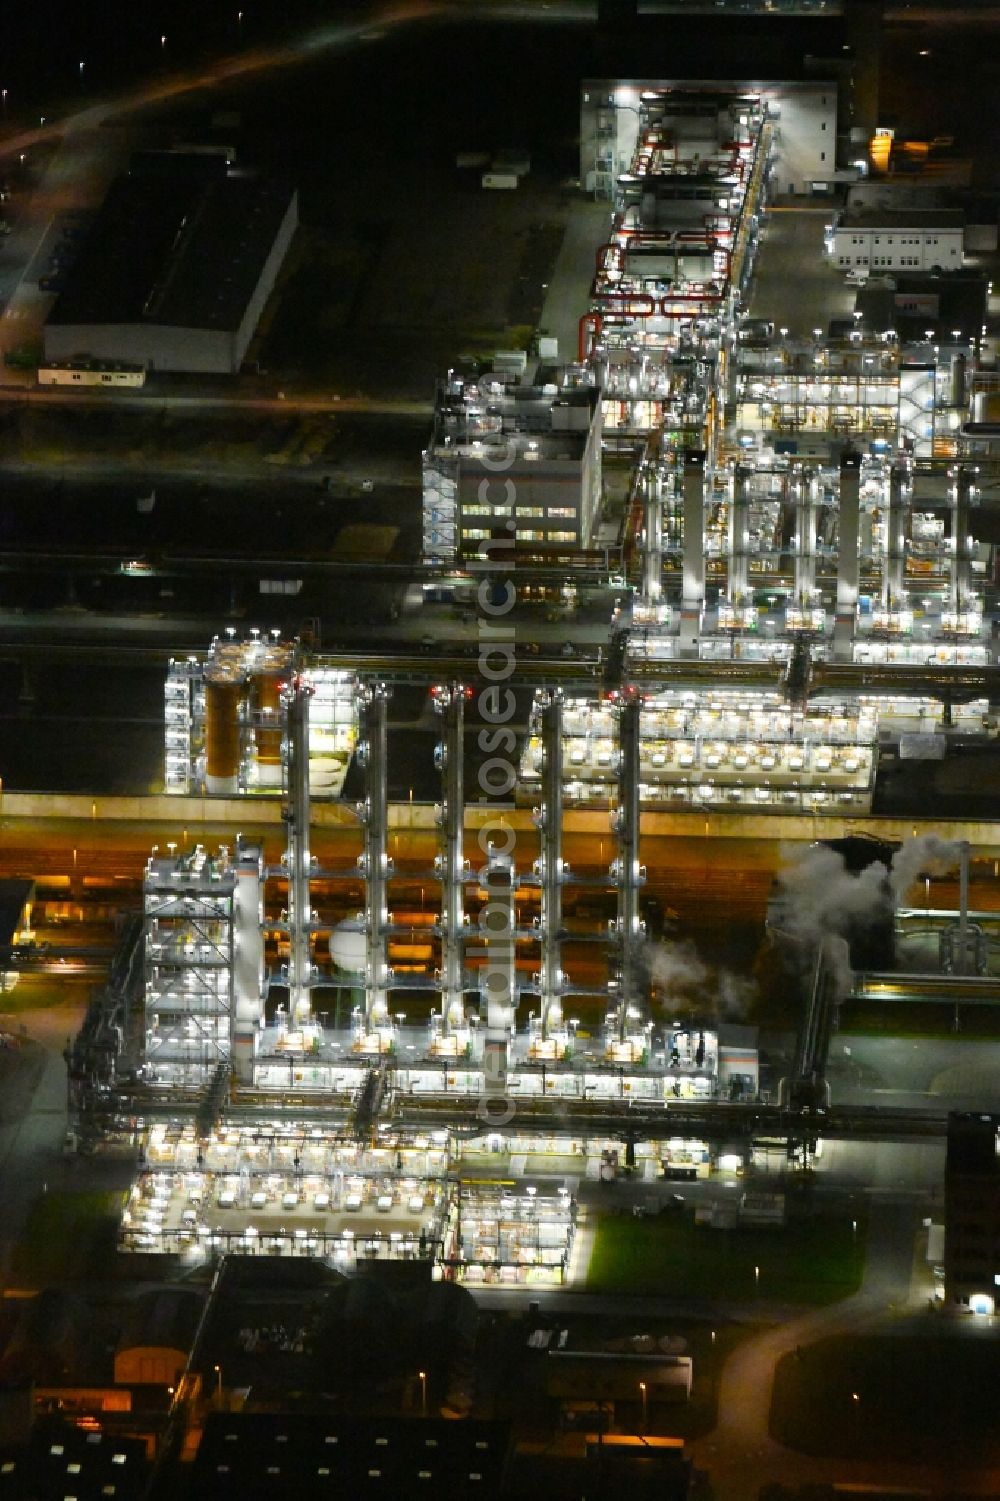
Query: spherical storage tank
(348, 946)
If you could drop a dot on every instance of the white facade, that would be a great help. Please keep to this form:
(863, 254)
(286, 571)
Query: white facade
(806, 135)
(880, 248)
(805, 116)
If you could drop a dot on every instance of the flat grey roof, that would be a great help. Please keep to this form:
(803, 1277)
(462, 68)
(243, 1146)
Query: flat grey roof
(177, 251)
(916, 218)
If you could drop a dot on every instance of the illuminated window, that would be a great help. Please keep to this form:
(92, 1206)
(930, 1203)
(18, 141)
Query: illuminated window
(564, 511)
(530, 512)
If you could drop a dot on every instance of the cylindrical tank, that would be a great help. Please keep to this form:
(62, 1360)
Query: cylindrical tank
(266, 688)
(958, 373)
(222, 733)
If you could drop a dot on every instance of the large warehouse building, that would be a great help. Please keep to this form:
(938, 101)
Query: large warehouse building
(175, 272)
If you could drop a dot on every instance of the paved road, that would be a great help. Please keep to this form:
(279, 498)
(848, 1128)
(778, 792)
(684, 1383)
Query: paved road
(791, 254)
(740, 1446)
(238, 400)
(31, 1148)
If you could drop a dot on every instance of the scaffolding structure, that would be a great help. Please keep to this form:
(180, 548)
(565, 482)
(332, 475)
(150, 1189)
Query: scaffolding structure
(190, 938)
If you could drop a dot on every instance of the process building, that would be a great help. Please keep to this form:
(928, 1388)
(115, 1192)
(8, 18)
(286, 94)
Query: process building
(512, 461)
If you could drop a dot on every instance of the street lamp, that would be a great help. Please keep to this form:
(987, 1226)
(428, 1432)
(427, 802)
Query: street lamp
(642, 1390)
(756, 1279)
(163, 44)
(3, 97)
(423, 1393)
(218, 1384)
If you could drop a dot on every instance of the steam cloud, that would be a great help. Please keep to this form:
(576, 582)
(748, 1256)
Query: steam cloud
(685, 980)
(926, 856)
(823, 899)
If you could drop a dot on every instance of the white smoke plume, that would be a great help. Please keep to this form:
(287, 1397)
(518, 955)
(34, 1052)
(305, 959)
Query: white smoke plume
(822, 897)
(685, 981)
(677, 968)
(926, 855)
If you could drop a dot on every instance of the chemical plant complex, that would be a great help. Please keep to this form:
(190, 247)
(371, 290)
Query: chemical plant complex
(410, 984)
(802, 578)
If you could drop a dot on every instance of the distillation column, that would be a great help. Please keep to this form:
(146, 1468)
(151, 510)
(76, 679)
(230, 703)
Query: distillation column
(848, 562)
(551, 863)
(693, 595)
(298, 859)
(498, 977)
(805, 492)
(652, 522)
(626, 870)
(450, 704)
(739, 534)
(960, 581)
(893, 597)
(376, 865)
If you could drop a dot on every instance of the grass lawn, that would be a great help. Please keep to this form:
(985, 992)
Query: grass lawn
(68, 1237)
(41, 993)
(816, 1260)
(922, 1397)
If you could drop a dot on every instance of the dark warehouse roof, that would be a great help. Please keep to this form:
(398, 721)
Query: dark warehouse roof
(263, 1454)
(177, 251)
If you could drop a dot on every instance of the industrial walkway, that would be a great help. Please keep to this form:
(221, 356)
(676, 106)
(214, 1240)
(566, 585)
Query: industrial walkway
(568, 296)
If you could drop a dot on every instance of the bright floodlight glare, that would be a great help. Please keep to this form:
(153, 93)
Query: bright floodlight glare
(625, 95)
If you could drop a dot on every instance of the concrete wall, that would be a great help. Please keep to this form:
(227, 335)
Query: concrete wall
(202, 350)
(548, 484)
(806, 144)
(265, 284)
